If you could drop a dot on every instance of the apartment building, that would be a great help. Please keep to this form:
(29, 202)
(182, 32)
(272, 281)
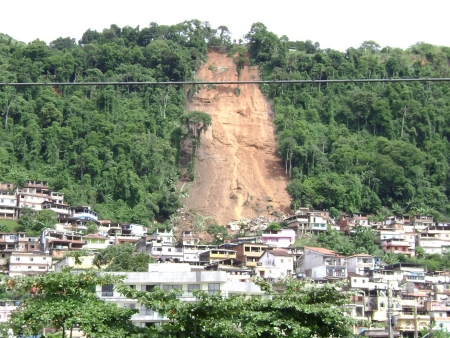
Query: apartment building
(168, 276)
(320, 263)
(29, 264)
(282, 238)
(8, 201)
(275, 264)
(310, 222)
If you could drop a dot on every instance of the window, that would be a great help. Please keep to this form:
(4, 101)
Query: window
(29, 267)
(31, 259)
(147, 288)
(17, 259)
(192, 287)
(3, 255)
(133, 287)
(107, 290)
(170, 287)
(146, 312)
(129, 305)
(282, 260)
(213, 288)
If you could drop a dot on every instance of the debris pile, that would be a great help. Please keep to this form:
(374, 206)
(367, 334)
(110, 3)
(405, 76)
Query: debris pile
(252, 225)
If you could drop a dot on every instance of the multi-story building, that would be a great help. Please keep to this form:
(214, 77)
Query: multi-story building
(6, 308)
(420, 222)
(398, 246)
(32, 195)
(311, 222)
(275, 264)
(136, 230)
(97, 242)
(349, 222)
(170, 276)
(282, 238)
(84, 213)
(435, 238)
(56, 242)
(320, 263)
(8, 201)
(360, 264)
(29, 264)
(62, 210)
(214, 255)
(249, 253)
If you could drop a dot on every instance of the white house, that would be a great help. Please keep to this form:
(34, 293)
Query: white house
(29, 264)
(136, 230)
(320, 263)
(275, 264)
(8, 202)
(360, 264)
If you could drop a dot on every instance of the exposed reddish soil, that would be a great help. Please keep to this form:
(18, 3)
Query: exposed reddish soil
(238, 173)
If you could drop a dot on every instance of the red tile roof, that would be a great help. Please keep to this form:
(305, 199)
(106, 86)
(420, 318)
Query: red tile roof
(322, 250)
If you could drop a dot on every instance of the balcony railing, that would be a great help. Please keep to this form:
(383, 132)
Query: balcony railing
(107, 293)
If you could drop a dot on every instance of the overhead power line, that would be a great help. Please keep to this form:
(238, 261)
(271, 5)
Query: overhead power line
(166, 83)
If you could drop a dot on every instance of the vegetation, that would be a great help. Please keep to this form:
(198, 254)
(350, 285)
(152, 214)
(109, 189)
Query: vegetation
(301, 310)
(115, 148)
(123, 258)
(33, 223)
(358, 147)
(64, 300)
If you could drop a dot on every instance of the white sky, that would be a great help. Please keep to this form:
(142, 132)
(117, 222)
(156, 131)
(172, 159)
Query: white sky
(336, 24)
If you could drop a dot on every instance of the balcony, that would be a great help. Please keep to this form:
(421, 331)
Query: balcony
(414, 279)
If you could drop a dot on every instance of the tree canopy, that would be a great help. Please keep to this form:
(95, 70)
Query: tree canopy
(123, 257)
(114, 148)
(359, 147)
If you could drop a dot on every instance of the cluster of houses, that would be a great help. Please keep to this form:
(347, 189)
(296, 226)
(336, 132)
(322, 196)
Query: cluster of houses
(404, 294)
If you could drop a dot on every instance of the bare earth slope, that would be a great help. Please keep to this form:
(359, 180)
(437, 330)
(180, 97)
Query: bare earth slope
(237, 173)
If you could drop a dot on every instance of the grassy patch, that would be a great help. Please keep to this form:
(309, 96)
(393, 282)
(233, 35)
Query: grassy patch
(11, 224)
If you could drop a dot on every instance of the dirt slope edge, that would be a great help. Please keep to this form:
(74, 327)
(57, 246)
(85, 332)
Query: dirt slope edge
(238, 173)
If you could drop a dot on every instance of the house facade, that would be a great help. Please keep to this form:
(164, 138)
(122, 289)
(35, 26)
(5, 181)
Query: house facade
(282, 238)
(275, 264)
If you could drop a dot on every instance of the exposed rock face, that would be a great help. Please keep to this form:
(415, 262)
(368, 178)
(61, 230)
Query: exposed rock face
(237, 166)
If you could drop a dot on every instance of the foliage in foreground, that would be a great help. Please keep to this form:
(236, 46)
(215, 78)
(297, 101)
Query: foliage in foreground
(302, 310)
(123, 258)
(63, 300)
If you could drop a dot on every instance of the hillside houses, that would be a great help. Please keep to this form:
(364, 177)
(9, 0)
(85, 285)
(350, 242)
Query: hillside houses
(232, 266)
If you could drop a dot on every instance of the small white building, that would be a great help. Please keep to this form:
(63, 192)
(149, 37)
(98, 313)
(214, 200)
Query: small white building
(136, 230)
(29, 264)
(8, 203)
(320, 263)
(275, 264)
(360, 264)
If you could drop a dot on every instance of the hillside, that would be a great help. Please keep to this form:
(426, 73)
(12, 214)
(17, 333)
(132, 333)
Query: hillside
(237, 172)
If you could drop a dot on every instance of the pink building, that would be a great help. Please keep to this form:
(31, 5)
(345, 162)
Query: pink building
(282, 238)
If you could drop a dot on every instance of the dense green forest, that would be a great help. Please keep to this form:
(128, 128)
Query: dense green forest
(372, 148)
(114, 147)
(360, 147)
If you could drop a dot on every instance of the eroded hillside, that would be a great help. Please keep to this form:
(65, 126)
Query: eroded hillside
(237, 173)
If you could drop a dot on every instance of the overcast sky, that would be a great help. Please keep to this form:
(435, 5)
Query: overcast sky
(336, 24)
